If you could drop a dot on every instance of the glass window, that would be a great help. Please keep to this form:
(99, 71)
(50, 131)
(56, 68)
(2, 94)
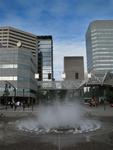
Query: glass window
(8, 78)
(76, 75)
(8, 66)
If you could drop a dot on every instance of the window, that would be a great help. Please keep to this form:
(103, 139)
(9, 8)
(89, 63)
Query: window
(8, 66)
(8, 78)
(49, 75)
(76, 75)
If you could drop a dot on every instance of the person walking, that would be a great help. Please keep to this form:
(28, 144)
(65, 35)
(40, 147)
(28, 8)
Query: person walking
(23, 105)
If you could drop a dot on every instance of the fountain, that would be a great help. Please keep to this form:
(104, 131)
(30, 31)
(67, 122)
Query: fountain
(59, 117)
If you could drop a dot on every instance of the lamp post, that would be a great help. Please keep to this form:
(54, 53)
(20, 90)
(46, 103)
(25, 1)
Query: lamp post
(89, 75)
(37, 77)
(63, 75)
(23, 92)
(89, 88)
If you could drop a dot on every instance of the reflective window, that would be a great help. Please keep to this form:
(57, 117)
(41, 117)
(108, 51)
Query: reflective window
(8, 78)
(8, 66)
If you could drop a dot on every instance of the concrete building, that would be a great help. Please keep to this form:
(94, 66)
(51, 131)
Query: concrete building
(40, 46)
(45, 54)
(23, 54)
(74, 68)
(99, 46)
(18, 66)
(9, 37)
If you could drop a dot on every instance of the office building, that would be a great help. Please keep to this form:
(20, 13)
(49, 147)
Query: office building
(9, 37)
(74, 68)
(99, 46)
(45, 61)
(23, 54)
(40, 46)
(18, 66)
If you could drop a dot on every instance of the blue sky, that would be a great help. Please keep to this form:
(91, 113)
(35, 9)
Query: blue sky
(65, 20)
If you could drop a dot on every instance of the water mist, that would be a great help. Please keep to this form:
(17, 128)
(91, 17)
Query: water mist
(59, 115)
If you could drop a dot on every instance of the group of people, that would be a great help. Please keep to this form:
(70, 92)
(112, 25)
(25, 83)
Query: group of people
(93, 102)
(15, 104)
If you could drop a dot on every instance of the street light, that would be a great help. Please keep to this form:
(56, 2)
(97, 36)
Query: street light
(37, 77)
(88, 87)
(63, 76)
(89, 75)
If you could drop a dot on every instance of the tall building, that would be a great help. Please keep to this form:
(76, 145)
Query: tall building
(74, 68)
(99, 46)
(40, 46)
(18, 66)
(9, 37)
(23, 54)
(45, 54)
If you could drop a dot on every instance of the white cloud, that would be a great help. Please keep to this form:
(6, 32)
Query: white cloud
(66, 48)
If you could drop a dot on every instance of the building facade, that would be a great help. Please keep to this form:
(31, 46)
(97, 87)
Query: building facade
(40, 46)
(17, 67)
(45, 61)
(99, 46)
(9, 37)
(22, 55)
(74, 68)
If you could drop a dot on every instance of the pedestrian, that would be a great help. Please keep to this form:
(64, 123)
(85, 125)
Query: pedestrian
(18, 103)
(15, 106)
(12, 104)
(23, 105)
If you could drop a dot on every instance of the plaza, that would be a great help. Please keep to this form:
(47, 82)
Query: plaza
(13, 138)
(39, 112)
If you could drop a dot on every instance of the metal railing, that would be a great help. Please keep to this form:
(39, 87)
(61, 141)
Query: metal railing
(59, 84)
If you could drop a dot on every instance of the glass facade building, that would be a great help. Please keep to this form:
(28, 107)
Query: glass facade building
(18, 66)
(22, 55)
(40, 46)
(45, 61)
(99, 46)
